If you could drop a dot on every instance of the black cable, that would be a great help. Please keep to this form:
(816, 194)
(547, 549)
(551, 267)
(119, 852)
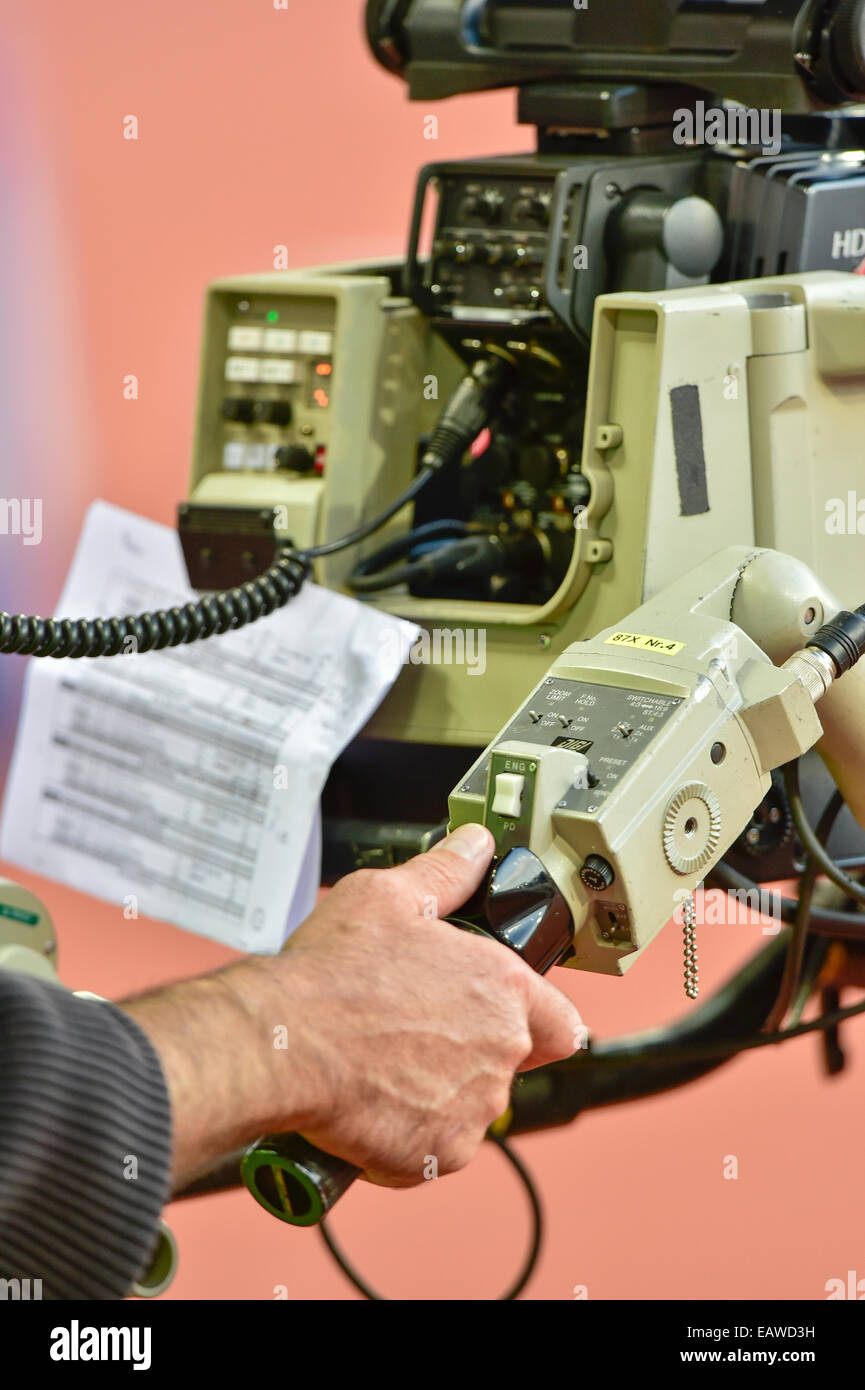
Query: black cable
(809, 839)
(369, 527)
(474, 557)
(749, 1044)
(466, 413)
(826, 920)
(799, 934)
(807, 981)
(393, 564)
(528, 1265)
(719, 1051)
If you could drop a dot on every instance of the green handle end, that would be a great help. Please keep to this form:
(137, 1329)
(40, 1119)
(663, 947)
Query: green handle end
(295, 1181)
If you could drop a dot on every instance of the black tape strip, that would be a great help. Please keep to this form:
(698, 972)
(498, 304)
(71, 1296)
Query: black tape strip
(688, 442)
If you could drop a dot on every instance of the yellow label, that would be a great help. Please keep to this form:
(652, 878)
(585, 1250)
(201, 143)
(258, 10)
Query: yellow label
(643, 643)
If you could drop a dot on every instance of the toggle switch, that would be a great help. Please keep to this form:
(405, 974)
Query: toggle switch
(508, 795)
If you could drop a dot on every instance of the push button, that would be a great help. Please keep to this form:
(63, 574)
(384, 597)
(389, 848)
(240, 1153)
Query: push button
(508, 796)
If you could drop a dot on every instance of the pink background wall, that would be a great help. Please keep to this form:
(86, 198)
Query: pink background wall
(261, 127)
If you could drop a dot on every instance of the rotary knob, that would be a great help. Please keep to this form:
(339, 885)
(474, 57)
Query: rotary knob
(485, 205)
(597, 873)
(294, 458)
(535, 207)
(240, 410)
(273, 413)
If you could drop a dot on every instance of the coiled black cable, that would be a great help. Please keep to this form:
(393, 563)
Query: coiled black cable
(153, 632)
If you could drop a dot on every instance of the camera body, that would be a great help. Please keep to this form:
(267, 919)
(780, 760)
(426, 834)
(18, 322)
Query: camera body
(667, 278)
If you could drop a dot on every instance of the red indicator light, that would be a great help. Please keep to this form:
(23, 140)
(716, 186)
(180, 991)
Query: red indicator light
(481, 444)
(320, 458)
(323, 369)
(321, 397)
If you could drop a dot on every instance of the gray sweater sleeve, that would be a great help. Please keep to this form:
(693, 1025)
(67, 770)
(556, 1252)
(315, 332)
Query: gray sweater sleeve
(85, 1142)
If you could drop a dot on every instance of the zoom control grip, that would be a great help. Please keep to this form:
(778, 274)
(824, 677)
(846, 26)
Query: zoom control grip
(517, 905)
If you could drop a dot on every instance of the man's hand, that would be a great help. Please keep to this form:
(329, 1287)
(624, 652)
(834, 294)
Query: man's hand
(382, 1033)
(413, 1028)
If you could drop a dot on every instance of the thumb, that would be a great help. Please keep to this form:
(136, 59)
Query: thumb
(451, 871)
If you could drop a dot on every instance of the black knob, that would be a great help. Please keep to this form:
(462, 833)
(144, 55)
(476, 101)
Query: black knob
(535, 208)
(521, 907)
(463, 252)
(521, 257)
(485, 205)
(294, 458)
(238, 409)
(522, 296)
(273, 413)
(541, 206)
(596, 873)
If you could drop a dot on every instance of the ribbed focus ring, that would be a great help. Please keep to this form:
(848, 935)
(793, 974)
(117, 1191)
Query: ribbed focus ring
(149, 632)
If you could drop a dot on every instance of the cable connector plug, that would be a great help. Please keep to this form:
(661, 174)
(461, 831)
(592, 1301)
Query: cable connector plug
(468, 411)
(842, 639)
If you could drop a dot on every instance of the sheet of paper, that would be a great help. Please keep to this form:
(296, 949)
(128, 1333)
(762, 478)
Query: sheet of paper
(184, 785)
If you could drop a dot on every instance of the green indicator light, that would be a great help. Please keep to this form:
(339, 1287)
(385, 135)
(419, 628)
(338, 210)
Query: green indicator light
(18, 914)
(273, 316)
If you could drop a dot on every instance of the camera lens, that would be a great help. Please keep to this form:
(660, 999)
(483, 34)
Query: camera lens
(847, 45)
